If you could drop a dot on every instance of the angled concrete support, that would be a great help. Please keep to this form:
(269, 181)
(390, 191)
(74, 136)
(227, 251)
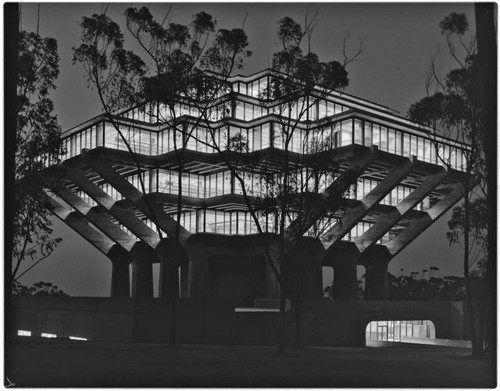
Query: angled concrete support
(376, 260)
(124, 216)
(98, 219)
(386, 221)
(120, 278)
(343, 257)
(354, 215)
(142, 270)
(331, 197)
(150, 209)
(417, 226)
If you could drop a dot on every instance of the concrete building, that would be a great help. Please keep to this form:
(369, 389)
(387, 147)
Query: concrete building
(369, 182)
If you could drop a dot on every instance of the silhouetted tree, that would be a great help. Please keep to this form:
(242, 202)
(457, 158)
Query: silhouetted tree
(37, 146)
(454, 111)
(190, 65)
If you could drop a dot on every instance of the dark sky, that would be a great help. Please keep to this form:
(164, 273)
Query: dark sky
(398, 42)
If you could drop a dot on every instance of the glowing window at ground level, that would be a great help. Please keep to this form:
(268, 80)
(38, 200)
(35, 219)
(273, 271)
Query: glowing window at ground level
(400, 330)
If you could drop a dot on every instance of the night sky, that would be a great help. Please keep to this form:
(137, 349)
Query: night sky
(398, 42)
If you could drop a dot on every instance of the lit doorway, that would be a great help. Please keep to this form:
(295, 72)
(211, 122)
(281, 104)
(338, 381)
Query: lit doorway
(386, 332)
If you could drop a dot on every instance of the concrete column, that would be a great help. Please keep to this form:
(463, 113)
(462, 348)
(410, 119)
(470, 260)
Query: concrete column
(142, 270)
(303, 269)
(197, 274)
(343, 257)
(171, 256)
(271, 284)
(375, 260)
(120, 278)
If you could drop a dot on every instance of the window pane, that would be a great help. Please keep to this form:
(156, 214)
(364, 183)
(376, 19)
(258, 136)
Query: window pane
(265, 136)
(398, 142)
(368, 134)
(358, 132)
(406, 144)
(346, 132)
(391, 138)
(376, 135)
(383, 138)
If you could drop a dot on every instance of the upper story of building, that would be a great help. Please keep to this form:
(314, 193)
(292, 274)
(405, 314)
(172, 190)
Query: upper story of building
(244, 110)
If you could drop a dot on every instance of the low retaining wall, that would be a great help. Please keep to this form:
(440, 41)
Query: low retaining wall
(324, 322)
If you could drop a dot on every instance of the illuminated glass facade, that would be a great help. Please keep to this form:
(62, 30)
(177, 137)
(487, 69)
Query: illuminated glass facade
(322, 122)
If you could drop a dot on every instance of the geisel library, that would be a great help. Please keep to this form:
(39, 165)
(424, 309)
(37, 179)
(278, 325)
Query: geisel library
(377, 178)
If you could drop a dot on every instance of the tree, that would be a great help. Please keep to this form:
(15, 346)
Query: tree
(285, 200)
(37, 146)
(454, 110)
(487, 63)
(189, 65)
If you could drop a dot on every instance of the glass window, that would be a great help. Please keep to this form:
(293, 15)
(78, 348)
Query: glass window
(223, 138)
(239, 114)
(210, 221)
(420, 148)
(368, 133)
(398, 143)
(265, 136)
(321, 109)
(278, 140)
(383, 138)
(110, 137)
(346, 138)
(427, 150)
(257, 138)
(248, 111)
(376, 135)
(432, 151)
(391, 138)
(330, 106)
(413, 145)
(191, 139)
(358, 132)
(406, 144)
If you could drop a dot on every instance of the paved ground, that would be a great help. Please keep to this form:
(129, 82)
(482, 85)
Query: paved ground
(58, 363)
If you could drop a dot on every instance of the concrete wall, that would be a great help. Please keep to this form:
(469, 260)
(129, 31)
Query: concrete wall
(324, 322)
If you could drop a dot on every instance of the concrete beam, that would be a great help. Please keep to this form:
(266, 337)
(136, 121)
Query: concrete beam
(97, 239)
(355, 214)
(98, 219)
(150, 209)
(387, 221)
(332, 196)
(124, 216)
(417, 226)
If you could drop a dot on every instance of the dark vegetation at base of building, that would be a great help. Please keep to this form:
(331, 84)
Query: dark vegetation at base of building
(40, 288)
(418, 287)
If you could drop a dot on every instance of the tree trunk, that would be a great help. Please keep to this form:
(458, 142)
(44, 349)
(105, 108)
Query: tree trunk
(487, 56)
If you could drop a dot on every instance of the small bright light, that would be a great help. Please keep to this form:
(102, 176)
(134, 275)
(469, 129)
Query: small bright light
(48, 335)
(24, 333)
(78, 338)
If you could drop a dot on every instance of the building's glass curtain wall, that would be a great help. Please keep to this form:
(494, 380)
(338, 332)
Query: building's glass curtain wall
(244, 119)
(241, 139)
